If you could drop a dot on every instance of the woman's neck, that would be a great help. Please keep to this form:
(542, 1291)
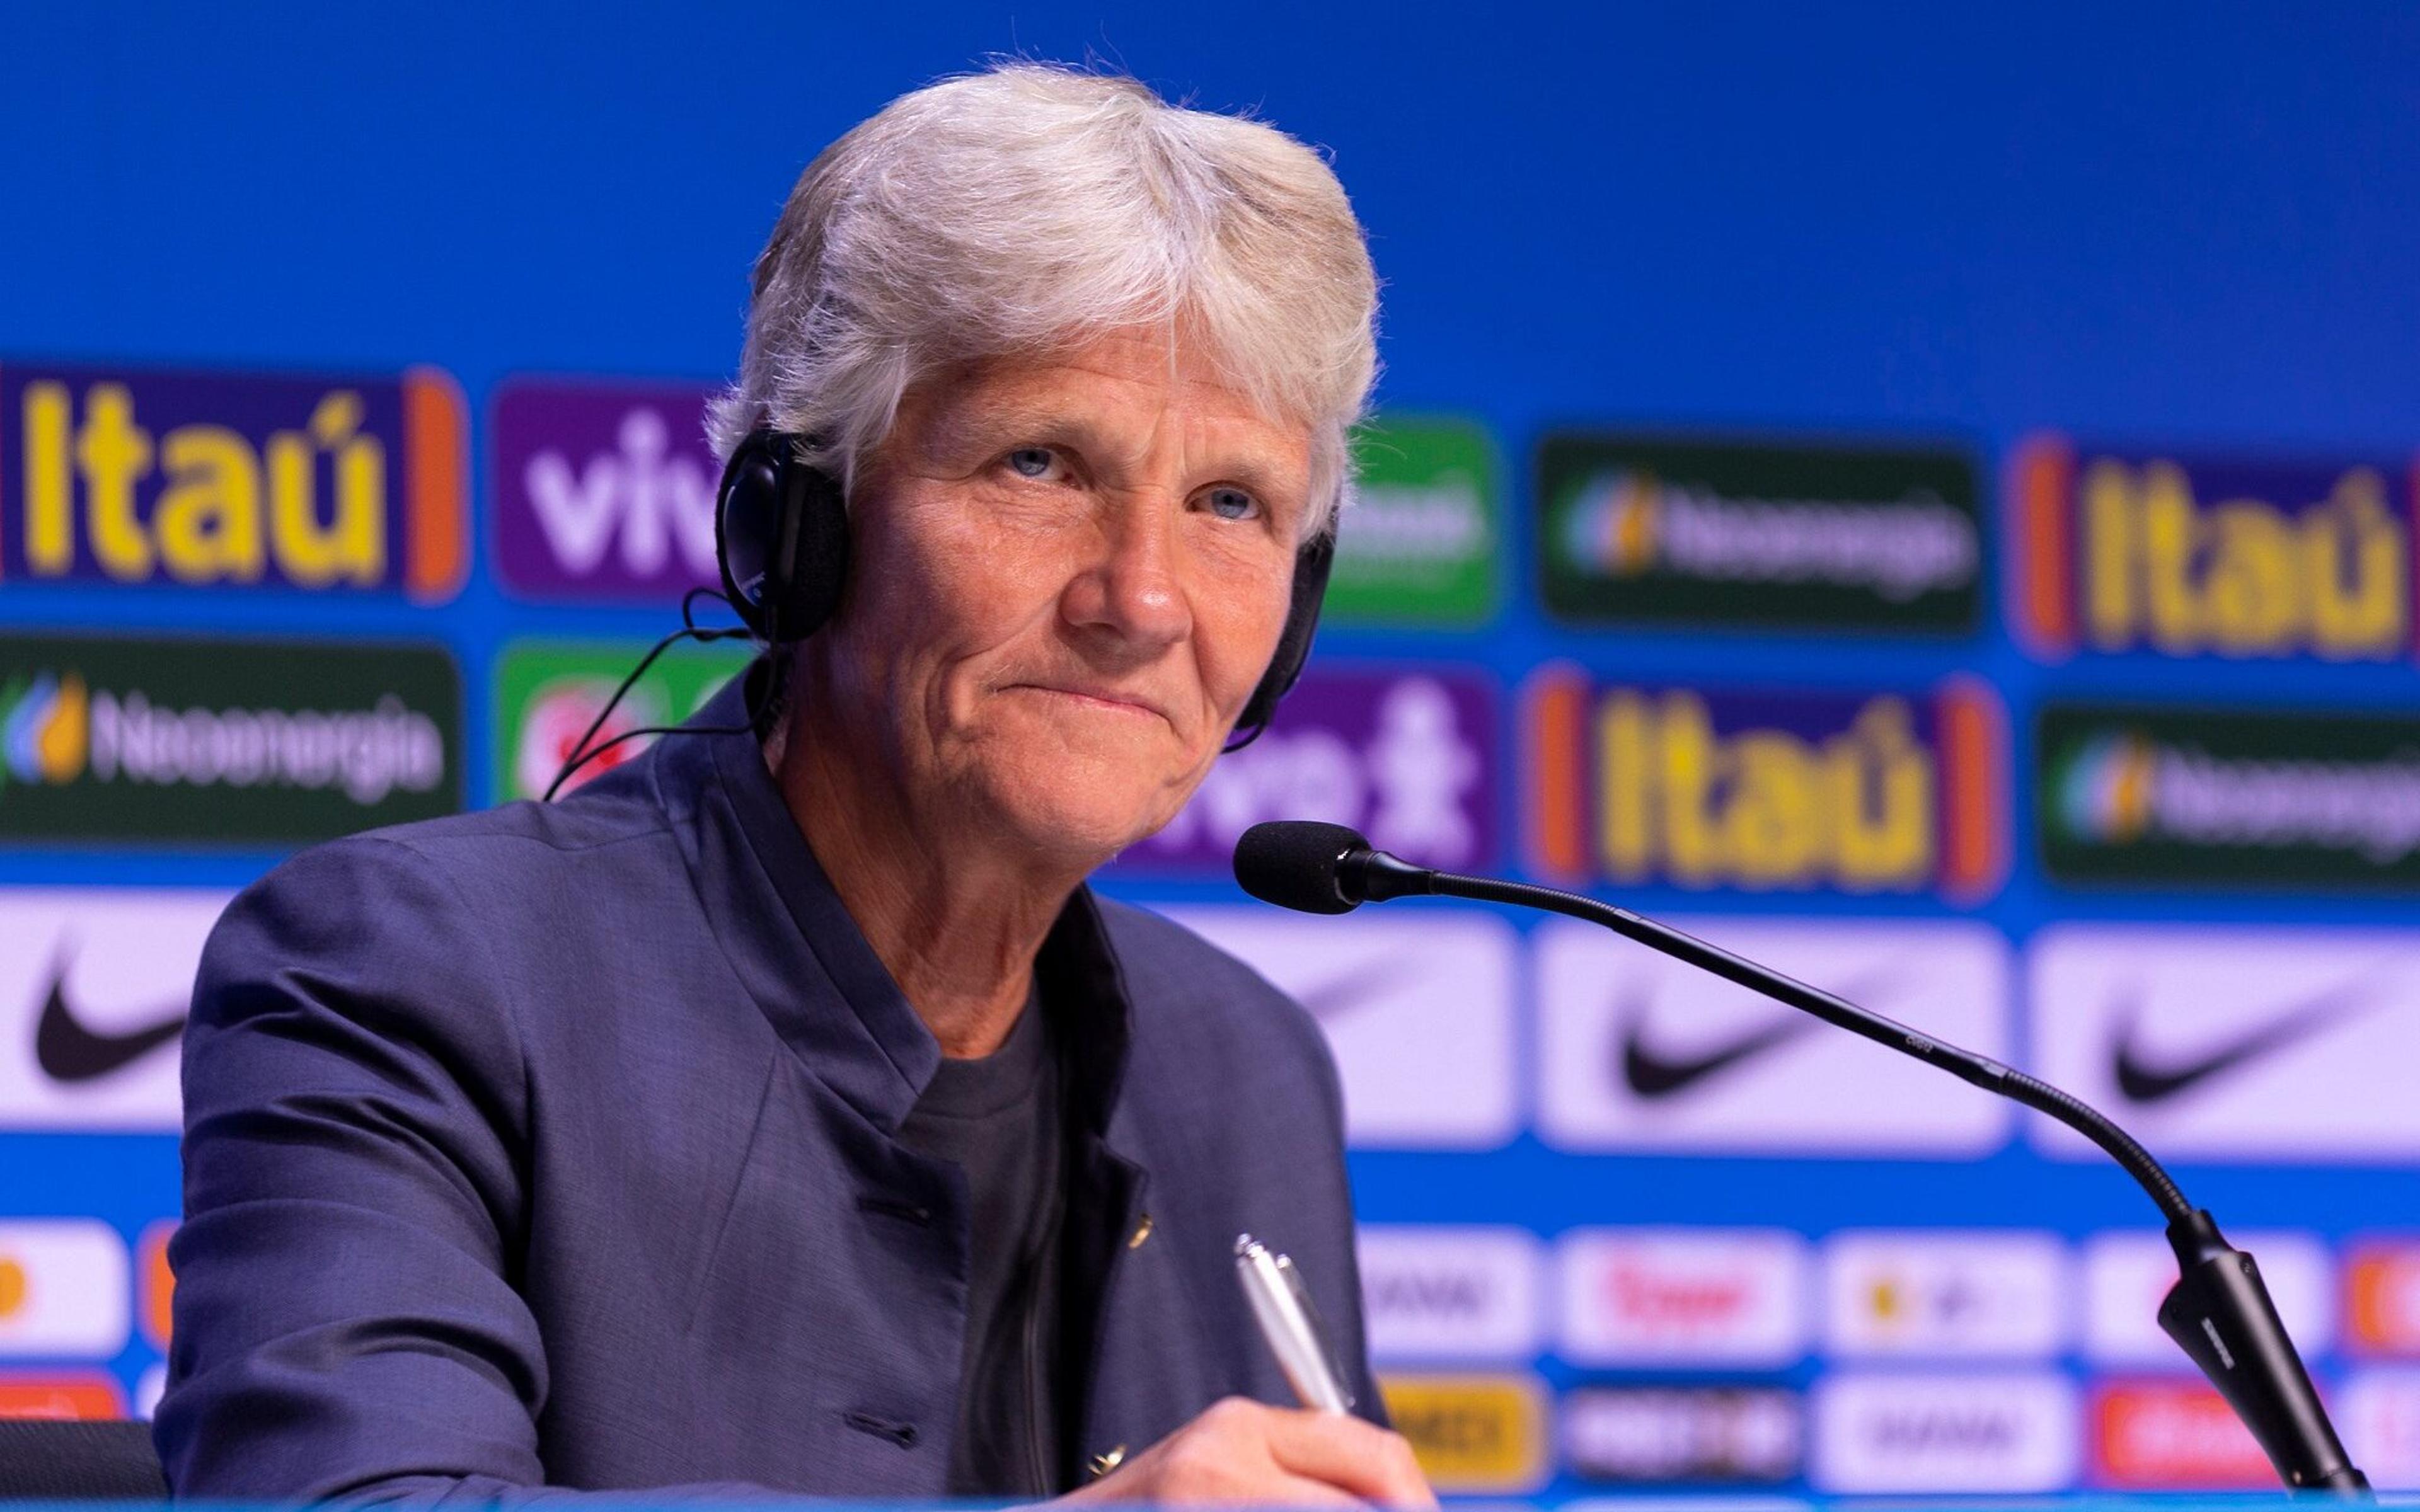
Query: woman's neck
(955, 918)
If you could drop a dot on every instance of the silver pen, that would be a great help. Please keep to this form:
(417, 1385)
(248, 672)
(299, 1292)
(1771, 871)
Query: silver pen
(1282, 1305)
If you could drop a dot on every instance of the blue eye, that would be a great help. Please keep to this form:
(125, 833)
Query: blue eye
(1233, 503)
(1032, 461)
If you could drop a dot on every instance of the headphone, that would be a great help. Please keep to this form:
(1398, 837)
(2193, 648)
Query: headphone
(781, 533)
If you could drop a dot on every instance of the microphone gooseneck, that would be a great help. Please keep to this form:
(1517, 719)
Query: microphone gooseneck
(2219, 1312)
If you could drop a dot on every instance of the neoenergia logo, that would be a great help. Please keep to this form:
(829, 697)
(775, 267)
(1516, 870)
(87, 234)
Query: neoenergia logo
(1753, 532)
(2106, 791)
(1626, 522)
(2268, 798)
(43, 727)
(226, 741)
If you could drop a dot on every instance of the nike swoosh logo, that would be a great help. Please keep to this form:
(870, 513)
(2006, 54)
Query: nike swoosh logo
(70, 1052)
(2145, 1082)
(1653, 1076)
(1342, 994)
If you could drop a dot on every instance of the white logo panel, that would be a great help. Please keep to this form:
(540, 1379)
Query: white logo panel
(94, 986)
(63, 1289)
(1640, 1052)
(1942, 1433)
(2126, 1275)
(1650, 1296)
(2379, 1414)
(2231, 1043)
(1451, 1293)
(1917, 1294)
(1417, 1006)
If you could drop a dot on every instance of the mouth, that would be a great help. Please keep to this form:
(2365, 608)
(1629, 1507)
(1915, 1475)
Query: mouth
(1094, 699)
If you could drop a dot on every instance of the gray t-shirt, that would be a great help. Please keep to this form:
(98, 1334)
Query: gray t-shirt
(998, 1119)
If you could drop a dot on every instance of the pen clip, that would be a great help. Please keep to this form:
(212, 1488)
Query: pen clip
(1281, 1304)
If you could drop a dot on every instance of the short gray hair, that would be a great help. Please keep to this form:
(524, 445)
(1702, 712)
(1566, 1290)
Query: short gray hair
(1024, 209)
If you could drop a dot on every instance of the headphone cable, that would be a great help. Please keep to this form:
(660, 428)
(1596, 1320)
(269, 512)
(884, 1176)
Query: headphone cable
(582, 753)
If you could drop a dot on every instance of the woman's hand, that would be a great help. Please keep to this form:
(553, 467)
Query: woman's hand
(1240, 1453)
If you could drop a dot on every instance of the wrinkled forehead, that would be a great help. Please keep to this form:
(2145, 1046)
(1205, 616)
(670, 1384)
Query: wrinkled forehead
(1117, 393)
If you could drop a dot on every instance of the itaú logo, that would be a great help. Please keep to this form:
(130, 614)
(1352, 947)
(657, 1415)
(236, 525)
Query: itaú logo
(1872, 793)
(2124, 550)
(230, 480)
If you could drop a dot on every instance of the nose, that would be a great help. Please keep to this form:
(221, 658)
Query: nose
(1132, 595)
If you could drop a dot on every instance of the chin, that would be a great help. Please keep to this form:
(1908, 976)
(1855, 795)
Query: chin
(1080, 816)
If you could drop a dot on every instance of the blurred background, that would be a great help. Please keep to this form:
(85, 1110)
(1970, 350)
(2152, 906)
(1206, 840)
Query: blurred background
(1928, 499)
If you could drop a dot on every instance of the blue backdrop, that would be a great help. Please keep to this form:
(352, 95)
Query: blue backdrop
(2169, 228)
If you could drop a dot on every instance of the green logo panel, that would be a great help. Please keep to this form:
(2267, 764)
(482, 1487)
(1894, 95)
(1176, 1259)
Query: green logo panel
(1637, 529)
(2135, 796)
(1420, 546)
(222, 742)
(548, 692)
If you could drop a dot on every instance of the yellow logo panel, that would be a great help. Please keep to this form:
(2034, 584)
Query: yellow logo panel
(1473, 1433)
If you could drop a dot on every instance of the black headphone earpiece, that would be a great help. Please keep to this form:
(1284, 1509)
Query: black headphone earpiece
(780, 535)
(1311, 567)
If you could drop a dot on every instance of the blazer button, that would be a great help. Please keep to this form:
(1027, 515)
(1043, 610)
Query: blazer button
(1103, 1464)
(1143, 1232)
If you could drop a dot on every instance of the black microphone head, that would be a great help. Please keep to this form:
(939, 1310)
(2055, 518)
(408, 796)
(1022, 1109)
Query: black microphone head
(1293, 864)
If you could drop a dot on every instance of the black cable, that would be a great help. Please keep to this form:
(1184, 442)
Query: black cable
(581, 753)
(1980, 1070)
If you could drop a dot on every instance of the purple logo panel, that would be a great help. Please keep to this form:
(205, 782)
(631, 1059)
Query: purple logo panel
(603, 492)
(1408, 756)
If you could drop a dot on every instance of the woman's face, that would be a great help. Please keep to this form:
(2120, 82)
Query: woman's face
(1066, 577)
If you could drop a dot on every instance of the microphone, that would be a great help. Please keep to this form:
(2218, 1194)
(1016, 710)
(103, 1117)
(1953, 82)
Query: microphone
(2219, 1312)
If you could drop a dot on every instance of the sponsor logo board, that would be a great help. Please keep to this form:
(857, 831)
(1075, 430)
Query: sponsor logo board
(1406, 756)
(2383, 1298)
(1417, 1006)
(1683, 1435)
(1473, 1434)
(1419, 546)
(2138, 794)
(1451, 1293)
(222, 742)
(83, 1395)
(548, 693)
(2125, 550)
(1932, 1434)
(1912, 1293)
(2379, 1411)
(1681, 1296)
(327, 482)
(148, 1388)
(93, 995)
(63, 1289)
(603, 490)
(1759, 535)
(2234, 1042)
(2128, 1273)
(2155, 1434)
(1639, 1052)
(1880, 793)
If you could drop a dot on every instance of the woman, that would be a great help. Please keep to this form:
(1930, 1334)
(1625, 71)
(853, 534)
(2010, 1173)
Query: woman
(783, 1115)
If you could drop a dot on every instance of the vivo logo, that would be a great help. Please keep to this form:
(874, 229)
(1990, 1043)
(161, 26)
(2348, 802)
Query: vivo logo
(1406, 755)
(603, 492)
(1933, 1434)
(1451, 1293)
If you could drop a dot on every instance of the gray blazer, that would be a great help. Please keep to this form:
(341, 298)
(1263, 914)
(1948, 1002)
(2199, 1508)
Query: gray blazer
(555, 1146)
